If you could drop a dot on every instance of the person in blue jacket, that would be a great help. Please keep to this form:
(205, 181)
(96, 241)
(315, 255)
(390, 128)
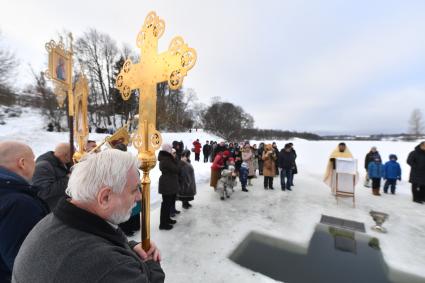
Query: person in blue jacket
(376, 172)
(392, 173)
(20, 208)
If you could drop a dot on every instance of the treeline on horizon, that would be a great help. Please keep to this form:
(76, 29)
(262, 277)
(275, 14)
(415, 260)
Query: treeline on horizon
(269, 134)
(10, 99)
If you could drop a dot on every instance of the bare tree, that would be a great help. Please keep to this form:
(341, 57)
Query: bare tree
(97, 53)
(175, 108)
(227, 120)
(50, 110)
(416, 126)
(8, 65)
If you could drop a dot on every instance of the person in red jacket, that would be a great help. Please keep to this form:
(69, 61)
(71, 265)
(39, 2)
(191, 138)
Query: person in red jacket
(197, 149)
(216, 167)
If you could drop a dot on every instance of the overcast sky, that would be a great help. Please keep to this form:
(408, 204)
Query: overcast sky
(328, 66)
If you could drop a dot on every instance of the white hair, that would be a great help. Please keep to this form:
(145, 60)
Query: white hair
(107, 168)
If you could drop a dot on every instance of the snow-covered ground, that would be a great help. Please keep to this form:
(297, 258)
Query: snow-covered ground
(197, 248)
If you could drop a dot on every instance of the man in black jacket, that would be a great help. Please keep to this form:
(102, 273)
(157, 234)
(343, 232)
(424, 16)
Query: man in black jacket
(80, 241)
(370, 157)
(206, 150)
(52, 174)
(416, 160)
(20, 208)
(287, 165)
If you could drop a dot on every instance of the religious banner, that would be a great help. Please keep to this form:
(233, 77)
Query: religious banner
(81, 124)
(60, 72)
(60, 69)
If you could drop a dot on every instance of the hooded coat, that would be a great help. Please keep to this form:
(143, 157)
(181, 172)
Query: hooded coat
(392, 169)
(187, 181)
(169, 179)
(416, 160)
(375, 170)
(51, 178)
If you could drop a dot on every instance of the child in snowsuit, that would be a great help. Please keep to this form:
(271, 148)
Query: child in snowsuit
(392, 173)
(376, 172)
(227, 181)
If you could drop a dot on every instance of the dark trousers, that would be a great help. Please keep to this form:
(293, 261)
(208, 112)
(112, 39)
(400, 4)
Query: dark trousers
(131, 225)
(260, 166)
(206, 158)
(418, 192)
(286, 174)
(173, 206)
(390, 183)
(268, 182)
(243, 176)
(376, 183)
(197, 156)
(166, 206)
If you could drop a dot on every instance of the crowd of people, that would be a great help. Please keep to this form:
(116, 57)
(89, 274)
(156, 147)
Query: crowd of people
(390, 172)
(244, 160)
(74, 220)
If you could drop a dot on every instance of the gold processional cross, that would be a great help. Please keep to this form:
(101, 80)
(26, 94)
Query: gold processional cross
(153, 68)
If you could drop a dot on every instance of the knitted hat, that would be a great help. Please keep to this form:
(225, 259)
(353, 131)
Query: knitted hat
(167, 147)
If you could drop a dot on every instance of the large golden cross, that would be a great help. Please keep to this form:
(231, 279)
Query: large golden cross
(153, 68)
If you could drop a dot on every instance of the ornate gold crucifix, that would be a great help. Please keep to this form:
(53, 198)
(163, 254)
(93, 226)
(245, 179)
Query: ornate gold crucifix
(153, 68)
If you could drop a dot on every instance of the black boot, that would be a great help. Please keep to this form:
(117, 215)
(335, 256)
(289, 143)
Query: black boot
(186, 205)
(165, 227)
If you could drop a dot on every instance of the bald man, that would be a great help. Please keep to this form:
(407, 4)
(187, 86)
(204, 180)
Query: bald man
(20, 208)
(52, 173)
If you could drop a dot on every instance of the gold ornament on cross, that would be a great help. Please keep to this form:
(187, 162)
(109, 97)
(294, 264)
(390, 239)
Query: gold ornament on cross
(153, 68)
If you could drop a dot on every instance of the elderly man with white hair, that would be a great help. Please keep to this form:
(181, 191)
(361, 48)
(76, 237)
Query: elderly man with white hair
(20, 208)
(80, 241)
